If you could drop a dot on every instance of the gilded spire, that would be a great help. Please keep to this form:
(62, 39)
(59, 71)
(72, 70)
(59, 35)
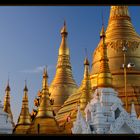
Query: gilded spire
(45, 108)
(45, 76)
(104, 77)
(85, 86)
(24, 117)
(7, 106)
(64, 50)
(63, 83)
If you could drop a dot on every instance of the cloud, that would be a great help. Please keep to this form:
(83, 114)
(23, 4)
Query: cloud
(37, 69)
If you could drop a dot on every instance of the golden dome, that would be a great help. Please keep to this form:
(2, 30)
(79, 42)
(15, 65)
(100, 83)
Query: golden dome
(82, 96)
(120, 32)
(63, 84)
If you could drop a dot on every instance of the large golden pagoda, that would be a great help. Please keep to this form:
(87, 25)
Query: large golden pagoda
(63, 84)
(120, 33)
(67, 114)
(7, 106)
(24, 119)
(44, 121)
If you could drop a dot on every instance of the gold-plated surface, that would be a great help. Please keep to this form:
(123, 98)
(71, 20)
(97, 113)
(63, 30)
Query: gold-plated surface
(104, 76)
(63, 84)
(120, 32)
(44, 122)
(45, 108)
(81, 97)
(7, 106)
(24, 119)
(44, 126)
(37, 100)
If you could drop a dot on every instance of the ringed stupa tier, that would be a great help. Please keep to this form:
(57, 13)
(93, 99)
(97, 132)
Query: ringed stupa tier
(63, 84)
(120, 33)
(67, 114)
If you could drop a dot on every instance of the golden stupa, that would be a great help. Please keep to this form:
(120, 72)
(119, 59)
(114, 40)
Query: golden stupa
(120, 33)
(63, 84)
(24, 119)
(67, 114)
(7, 106)
(44, 121)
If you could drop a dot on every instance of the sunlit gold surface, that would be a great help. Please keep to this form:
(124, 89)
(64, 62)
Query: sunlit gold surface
(63, 84)
(24, 119)
(45, 117)
(104, 76)
(7, 106)
(82, 96)
(120, 32)
(47, 126)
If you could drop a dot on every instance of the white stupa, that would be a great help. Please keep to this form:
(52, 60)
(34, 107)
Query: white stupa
(6, 126)
(105, 113)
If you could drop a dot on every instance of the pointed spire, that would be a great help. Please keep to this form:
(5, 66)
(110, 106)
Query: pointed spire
(133, 114)
(44, 80)
(25, 88)
(64, 30)
(104, 77)
(24, 117)
(63, 84)
(85, 87)
(86, 71)
(64, 50)
(7, 87)
(45, 108)
(7, 106)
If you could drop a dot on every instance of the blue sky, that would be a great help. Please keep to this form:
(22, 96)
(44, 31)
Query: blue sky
(30, 38)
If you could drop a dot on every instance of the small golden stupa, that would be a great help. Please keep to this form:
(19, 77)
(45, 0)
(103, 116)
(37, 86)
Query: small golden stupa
(44, 121)
(24, 120)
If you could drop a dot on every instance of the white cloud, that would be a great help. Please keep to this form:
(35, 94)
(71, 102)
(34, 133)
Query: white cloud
(38, 69)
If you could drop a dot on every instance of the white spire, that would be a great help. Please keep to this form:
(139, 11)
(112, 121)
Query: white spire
(133, 114)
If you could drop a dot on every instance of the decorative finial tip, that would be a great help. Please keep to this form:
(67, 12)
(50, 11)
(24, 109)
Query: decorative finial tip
(45, 71)
(102, 33)
(25, 88)
(64, 22)
(86, 62)
(7, 87)
(64, 29)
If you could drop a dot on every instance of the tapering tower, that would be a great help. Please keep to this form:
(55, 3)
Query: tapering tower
(63, 84)
(37, 100)
(24, 120)
(120, 33)
(44, 121)
(81, 97)
(7, 106)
